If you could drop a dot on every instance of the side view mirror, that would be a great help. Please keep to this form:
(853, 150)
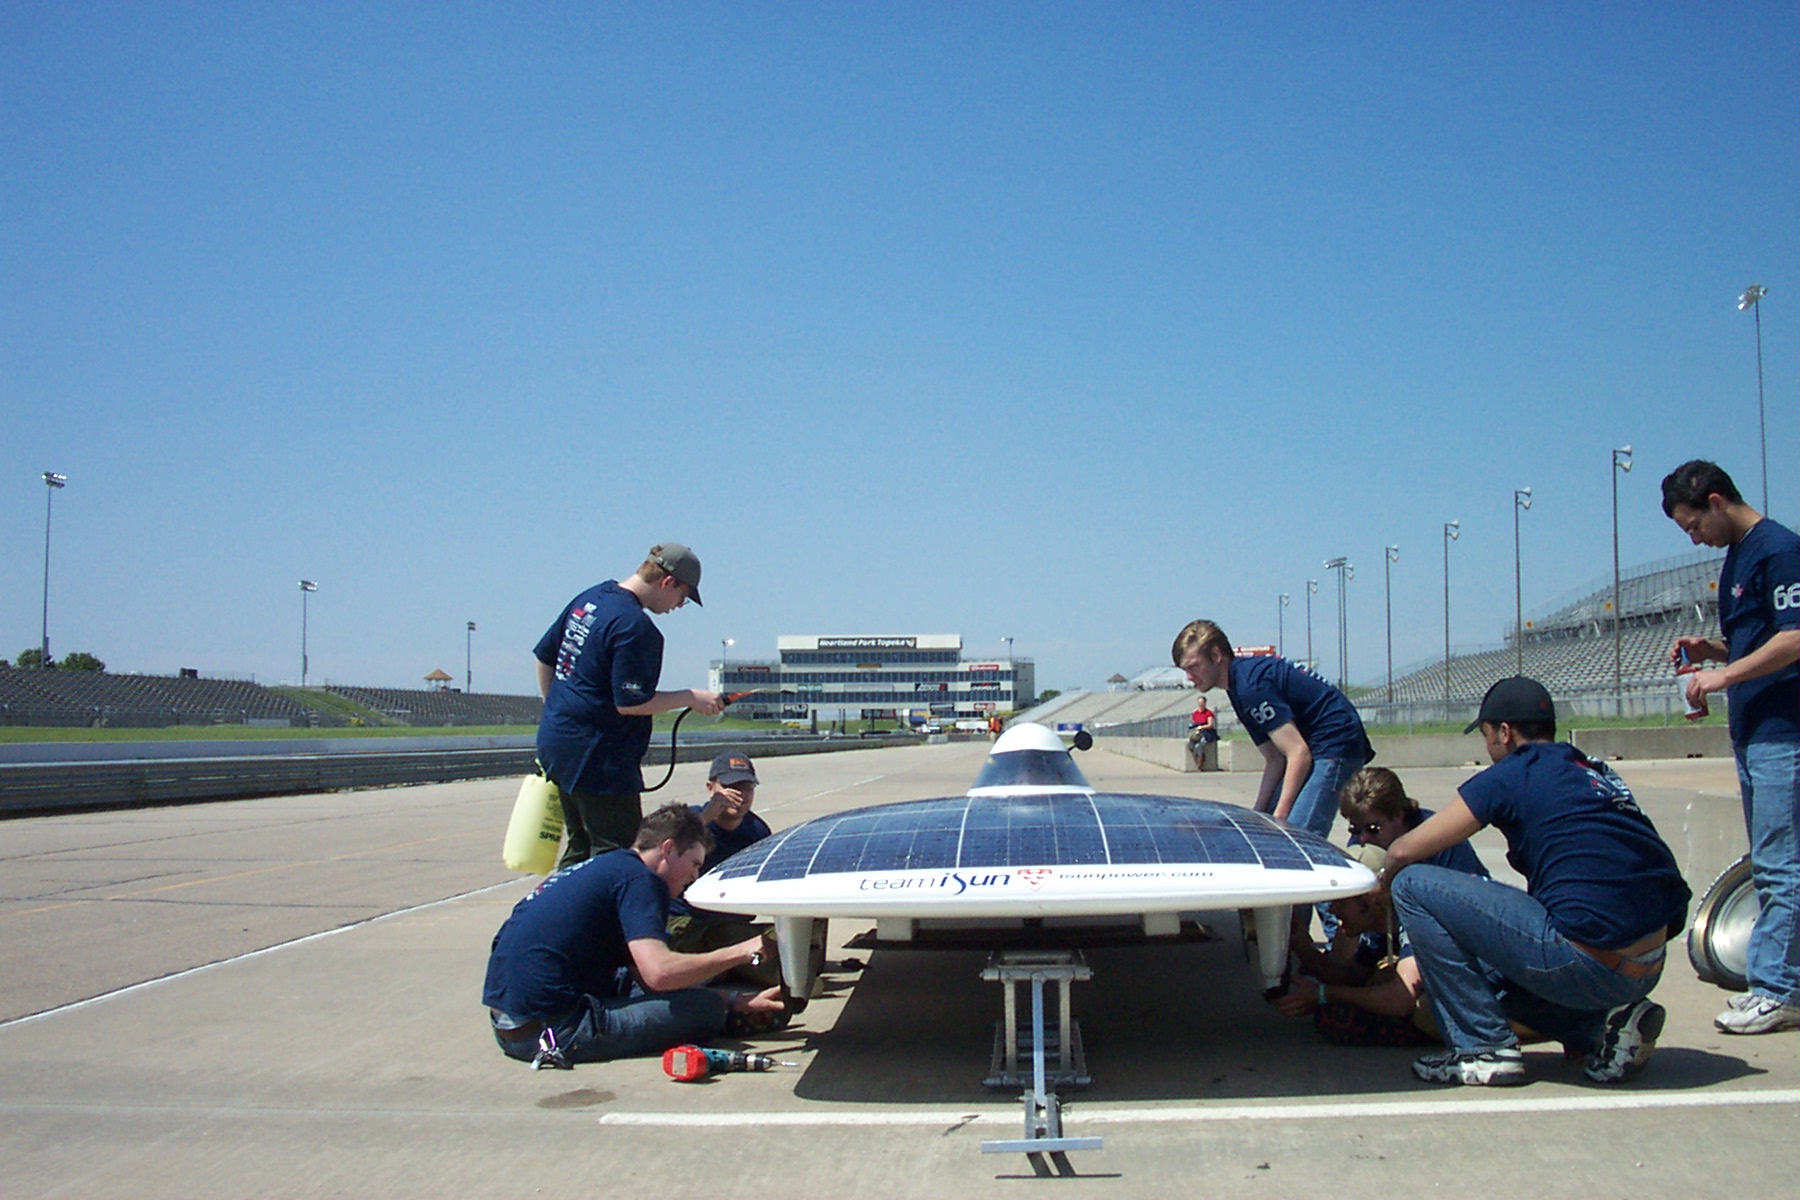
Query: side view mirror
(1084, 740)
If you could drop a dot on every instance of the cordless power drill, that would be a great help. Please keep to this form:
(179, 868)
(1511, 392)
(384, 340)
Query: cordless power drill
(685, 1064)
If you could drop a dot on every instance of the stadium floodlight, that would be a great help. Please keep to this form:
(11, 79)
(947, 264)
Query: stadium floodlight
(52, 483)
(1452, 531)
(1312, 589)
(307, 588)
(1752, 300)
(1346, 572)
(1280, 634)
(1390, 556)
(468, 660)
(1521, 503)
(1621, 461)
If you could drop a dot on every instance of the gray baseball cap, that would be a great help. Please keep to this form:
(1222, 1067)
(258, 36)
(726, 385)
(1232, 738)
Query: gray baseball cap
(732, 766)
(682, 563)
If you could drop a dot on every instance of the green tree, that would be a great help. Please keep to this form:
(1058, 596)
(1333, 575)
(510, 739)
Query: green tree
(32, 659)
(1048, 694)
(81, 660)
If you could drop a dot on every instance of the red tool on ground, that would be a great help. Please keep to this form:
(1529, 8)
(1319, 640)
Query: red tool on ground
(685, 1064)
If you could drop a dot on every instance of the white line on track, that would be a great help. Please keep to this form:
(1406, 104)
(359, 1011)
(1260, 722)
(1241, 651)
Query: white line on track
(816, 795)
(1487, 1106)
(249, 954)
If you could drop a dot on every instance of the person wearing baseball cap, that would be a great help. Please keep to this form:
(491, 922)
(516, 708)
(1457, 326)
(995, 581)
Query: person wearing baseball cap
(598, 669)
(730, 791)
(1578, 953)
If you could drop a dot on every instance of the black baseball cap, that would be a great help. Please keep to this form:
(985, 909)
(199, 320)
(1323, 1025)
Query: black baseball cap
(1513, 702)
(732, 766)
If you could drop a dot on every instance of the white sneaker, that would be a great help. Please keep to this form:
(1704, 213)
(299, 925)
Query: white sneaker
(1751, 1013)
(1628, 1040)
(1504, 1067)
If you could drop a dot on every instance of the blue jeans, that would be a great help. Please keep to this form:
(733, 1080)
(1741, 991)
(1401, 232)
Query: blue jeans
(1769, 777)
(1488, 952)
(631, 1026)
(1316, 807)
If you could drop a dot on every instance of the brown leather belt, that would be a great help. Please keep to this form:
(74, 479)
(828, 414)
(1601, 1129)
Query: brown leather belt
(1625, 961)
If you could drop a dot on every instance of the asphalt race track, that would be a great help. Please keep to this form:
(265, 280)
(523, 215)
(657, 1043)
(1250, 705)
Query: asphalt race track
(281, 997)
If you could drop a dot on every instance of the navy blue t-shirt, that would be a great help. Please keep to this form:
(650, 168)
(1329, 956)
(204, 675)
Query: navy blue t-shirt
(607, 653)
(569, 937)
(1589, 855)
(1268, 692)
(726, 842)
(1759, 594)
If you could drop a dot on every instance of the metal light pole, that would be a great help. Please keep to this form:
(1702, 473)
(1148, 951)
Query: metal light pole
(1312, 589)
(52, 482)
(1621, 461)
(1009, 642)
(468, 658)
(1452, 531)
(1280, 633)
(307, 588)
(1387, 578)
(1521, 502)
(1346, 572)
(725, 645)
(1752, 299)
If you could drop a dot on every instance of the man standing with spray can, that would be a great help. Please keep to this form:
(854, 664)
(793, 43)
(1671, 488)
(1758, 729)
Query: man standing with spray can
(1759, 615)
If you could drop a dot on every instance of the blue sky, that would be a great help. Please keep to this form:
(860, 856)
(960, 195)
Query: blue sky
(1064, 322)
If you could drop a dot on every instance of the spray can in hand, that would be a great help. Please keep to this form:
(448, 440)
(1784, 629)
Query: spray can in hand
(1694, 711)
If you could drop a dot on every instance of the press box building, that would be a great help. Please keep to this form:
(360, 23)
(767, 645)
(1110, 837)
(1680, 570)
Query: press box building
(876, 677)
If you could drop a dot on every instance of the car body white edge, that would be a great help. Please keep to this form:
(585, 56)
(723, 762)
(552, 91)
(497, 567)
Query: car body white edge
(1048, 890)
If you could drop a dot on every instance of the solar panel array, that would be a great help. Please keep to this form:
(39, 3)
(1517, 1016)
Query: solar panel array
(1059, 829)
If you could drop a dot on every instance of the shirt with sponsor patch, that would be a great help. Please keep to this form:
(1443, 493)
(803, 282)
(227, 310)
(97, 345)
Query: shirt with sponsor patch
(607, 654)
(1759, 595)
(1268, 692)
(571, 936)
(1588, 853)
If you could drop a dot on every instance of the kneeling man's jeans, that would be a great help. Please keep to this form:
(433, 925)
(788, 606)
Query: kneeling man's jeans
(630, 1026)
(1488, 952)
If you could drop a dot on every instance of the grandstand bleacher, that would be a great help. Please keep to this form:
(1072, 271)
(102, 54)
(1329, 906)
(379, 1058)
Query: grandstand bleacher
(101, 699)
(410, 706)
(96, 698)
(1570, 647)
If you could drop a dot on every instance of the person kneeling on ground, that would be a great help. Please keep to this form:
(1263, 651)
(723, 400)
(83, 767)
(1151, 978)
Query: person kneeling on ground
(1580, 951)
(1355, 992)
(1354, 996)
(732, 826)
(582, 971)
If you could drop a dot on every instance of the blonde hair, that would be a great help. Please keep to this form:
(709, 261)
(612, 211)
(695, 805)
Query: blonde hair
(1199, 635)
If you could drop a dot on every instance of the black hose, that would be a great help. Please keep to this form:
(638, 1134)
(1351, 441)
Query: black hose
(679, 718)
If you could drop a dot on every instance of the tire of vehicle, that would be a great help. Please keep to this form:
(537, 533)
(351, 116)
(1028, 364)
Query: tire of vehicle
(1718, 942)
